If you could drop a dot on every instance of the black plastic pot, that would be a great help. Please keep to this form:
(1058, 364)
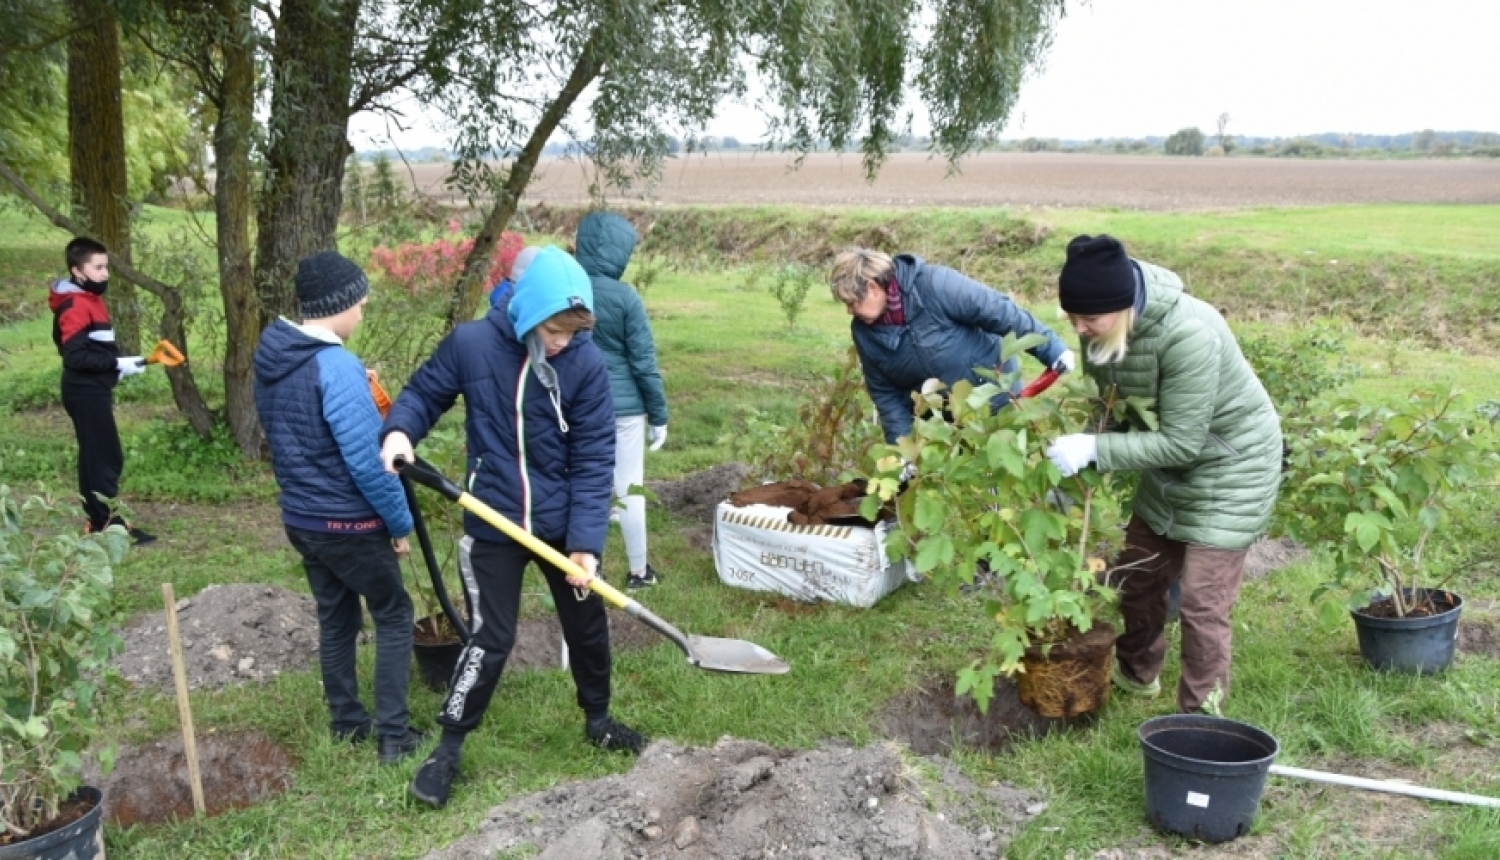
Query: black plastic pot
(435, 663)
(1204, 775)
(81, 840)
(1419, 646)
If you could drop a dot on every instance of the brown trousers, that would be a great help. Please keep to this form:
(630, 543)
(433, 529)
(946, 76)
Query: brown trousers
(1210, 584)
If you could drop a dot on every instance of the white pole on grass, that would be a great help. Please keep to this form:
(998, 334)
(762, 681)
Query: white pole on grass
(1386, 786)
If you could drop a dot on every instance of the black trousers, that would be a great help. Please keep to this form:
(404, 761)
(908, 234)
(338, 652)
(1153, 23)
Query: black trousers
(495, 591)
(100, 458)
(340, 570)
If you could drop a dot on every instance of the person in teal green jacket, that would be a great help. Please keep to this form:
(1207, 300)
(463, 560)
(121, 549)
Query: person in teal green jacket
(603, 247)
(1209, 471)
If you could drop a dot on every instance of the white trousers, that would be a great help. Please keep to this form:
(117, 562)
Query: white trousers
(630, 470)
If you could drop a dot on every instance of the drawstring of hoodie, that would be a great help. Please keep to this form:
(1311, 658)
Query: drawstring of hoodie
(537, 351)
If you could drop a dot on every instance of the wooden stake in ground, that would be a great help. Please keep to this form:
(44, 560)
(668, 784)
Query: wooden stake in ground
(184, 709)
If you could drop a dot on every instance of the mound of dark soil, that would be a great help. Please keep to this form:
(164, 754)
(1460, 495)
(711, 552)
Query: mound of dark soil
(1269, 555)
(1479, 629)
(539, 640)
(932, 720)
(149, 783)
(696, 496)
(741, 799)
(230, 634)
(781, 494)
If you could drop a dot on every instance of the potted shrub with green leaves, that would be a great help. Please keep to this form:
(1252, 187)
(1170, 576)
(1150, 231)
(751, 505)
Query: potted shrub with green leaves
(1371, 486)
(56, 641)
(984, 493)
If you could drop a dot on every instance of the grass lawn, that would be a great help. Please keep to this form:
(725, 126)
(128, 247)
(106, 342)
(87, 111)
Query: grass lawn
(723, 343)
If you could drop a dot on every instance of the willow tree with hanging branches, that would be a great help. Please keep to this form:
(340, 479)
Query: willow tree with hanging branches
(511, 75)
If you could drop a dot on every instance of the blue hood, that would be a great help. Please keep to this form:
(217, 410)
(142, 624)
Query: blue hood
(499, 316)
(604, 243)
(553, 283)
(285, 349)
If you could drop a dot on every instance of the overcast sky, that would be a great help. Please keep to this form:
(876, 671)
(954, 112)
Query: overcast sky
(1132, 68)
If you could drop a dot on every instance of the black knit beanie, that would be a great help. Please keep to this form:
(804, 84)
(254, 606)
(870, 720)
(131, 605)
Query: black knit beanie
(1098, 277)
(329, 284)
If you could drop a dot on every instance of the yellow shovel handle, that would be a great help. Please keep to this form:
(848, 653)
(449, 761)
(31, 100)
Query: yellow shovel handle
(597, 585)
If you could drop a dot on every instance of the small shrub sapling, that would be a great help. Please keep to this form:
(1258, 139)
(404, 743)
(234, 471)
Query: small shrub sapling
(980, 489)
(1372, 485)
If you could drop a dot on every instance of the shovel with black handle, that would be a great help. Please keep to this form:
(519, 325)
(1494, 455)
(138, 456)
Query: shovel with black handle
(705, 652)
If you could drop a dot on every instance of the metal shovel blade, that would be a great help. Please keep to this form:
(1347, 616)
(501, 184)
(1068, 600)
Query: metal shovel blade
(705, 652)
(734, 655)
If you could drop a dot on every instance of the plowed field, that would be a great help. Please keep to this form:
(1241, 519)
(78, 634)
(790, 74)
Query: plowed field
(1032, 179)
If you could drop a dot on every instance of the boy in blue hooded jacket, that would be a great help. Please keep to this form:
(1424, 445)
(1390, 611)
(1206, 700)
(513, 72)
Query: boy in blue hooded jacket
(341, 511)
(540, 427)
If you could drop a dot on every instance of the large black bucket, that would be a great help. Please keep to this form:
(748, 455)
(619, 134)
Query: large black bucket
(435, 663)
(1204, 775)
(81, 840)
(1419, 646)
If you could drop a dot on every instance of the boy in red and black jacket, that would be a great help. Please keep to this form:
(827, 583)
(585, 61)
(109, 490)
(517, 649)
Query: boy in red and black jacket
(92, 364)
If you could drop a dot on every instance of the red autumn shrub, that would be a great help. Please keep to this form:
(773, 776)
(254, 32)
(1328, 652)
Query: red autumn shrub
(422, 268)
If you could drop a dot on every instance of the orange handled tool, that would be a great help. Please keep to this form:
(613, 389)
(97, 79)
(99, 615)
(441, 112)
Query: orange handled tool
(165, 355)
(382, 400)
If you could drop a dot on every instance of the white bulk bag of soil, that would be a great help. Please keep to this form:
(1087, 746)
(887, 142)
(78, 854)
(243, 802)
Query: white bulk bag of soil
(756, 548)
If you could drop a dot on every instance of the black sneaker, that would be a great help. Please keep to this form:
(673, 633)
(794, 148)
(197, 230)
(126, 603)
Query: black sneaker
(607, 734)
(393, 750)
(140, 537)
(435, 777)
(357, 735)
(645, 580)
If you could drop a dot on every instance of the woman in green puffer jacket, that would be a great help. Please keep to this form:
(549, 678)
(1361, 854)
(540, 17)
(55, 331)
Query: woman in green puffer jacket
(1210, 470)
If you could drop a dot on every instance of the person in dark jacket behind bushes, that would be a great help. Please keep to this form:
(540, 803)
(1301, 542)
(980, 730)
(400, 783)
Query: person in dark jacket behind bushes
(541, 445)
(605, 241)
(914, 321)
(92, 366)
(1209, 471)
(342, 512)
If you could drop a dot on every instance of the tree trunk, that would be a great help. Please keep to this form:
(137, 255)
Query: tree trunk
(467, 292)
(96, 151)
(308, 128)
(233, 133)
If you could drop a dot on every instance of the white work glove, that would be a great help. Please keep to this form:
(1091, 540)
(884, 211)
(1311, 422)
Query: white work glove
(1065, 362)
(908, 471)
(130, 365)
(658, 437)
(1072, 452)
(397, 446)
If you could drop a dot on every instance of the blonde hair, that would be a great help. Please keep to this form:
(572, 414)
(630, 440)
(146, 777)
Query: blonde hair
(1113, 347)
(853, 269)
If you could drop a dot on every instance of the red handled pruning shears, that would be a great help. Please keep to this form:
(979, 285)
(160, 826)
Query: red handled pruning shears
(1040, 384)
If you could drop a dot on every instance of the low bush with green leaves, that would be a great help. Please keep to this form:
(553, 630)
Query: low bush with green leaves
(1300, 367)
(1372, 485)
(984, 491)
(827, 443)
(56, 641)
(790, 284)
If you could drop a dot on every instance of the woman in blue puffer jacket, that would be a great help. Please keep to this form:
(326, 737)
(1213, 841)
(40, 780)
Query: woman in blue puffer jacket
(914, 321)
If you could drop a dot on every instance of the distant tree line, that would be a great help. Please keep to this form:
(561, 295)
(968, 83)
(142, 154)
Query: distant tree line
(1192, 141)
